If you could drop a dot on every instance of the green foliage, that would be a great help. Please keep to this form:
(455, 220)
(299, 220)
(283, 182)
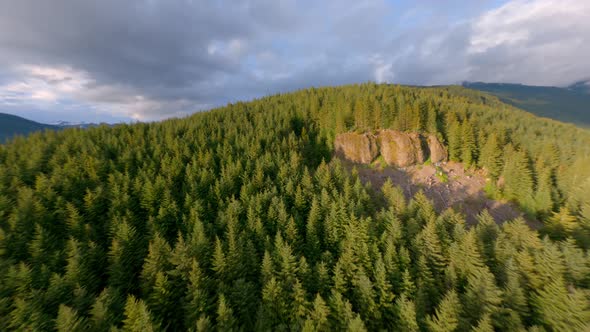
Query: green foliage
(446, 318)
(238, 219)
(561, 309)
(67, 320)
(442, 176)
(406, 311)
(518, 179)
(468, 146)
(491, 157)
(137, 317)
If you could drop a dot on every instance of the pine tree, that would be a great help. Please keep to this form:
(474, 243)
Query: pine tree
(543, 193)
(484, 325)
(518, 179)
(360, 115)
(161, 302)
(341, 313)
(356, 325)
(273, 308)
(287, 262)
(384, 291)
(577, 264)
(491, 157)
(561, 224)
(68, 320)
(219, 261)
(465, 258)
(514, 296)
(395, 196)
(454, 137)
(377, 115)
(126, 256)
(196, 304)
(318, 317)
(225, 318)
(560, 309)
(137, 317)
(468, 147)
(432, 121)
(299, 306)
(203, 324)
(106, 310)
(446, 318)
(406, 311)
(482, 296)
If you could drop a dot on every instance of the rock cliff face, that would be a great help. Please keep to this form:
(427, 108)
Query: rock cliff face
(359, 148)
(400, 149)
(397, 148)
(438, 152)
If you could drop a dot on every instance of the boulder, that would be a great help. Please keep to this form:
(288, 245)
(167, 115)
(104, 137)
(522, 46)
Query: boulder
(438, 153)
(401, 149)
(359, 148)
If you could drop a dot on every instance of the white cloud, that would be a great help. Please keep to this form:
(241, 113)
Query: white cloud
(383, 70)
(209, 53)
(541, 42)
(44, 84)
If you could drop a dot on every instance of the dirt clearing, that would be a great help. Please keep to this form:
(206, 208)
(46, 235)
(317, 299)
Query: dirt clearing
(447, 185)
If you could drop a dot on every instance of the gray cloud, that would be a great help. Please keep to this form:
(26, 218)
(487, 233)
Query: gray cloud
(151, 59)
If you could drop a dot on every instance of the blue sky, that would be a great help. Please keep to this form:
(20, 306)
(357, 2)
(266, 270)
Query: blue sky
(148, 60)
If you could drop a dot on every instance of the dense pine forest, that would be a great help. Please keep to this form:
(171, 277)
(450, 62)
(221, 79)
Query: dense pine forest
(241, 219)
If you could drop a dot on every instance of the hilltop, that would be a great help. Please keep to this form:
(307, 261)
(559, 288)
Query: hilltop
(245, 218)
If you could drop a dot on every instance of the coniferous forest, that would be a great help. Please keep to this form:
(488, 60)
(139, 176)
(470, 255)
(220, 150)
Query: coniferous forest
(241, 219)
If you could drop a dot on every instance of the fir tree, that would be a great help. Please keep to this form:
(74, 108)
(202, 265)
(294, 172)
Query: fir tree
(560, 309)
(468, 151)
(225, 319)
(69, 320)
(406, 312)
(446, 318)
(491, 157)
(137, 317)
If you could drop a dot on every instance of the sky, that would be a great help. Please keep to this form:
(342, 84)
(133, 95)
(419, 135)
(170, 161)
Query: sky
(147, 60)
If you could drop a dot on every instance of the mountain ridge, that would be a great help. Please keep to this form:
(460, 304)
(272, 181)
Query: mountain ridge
(13, 125)
(569, 104)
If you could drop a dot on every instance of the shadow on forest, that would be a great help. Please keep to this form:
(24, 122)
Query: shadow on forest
(316, 147)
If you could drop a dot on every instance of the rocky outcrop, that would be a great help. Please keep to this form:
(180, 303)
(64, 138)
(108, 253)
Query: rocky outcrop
(401, 149)
(359, 148)
(438, 152)
(397, 148)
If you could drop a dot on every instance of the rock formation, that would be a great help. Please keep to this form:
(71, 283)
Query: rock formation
(438, 152)
(359, 148)
(397, 148)
(401, 149)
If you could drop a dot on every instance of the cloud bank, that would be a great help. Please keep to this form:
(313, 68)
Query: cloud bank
(153, 59)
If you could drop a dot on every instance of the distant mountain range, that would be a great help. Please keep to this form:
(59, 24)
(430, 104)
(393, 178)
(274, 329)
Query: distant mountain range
(581, 86)
(567, 104)
(13, 125)
(83, 125)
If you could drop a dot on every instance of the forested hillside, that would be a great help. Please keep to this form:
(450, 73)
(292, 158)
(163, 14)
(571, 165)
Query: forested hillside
(12, 125)
(240, 219)
(571, 104)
